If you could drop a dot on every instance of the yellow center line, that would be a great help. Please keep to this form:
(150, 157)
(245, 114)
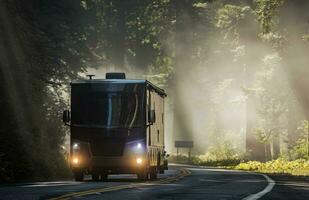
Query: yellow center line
(182, 174)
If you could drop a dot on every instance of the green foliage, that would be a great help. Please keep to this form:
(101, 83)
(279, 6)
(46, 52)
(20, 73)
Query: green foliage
(229, 20)
(266, 11)
(222, 154)
(200, 5)
(202, 161)
(60, 39)
(298, 167)
(216, 163)
(301, 148)
(222, 151)
(128, 31)
(162, 74)
(45, 49)
(273, 104)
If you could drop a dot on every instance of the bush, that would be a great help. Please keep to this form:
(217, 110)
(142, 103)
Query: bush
(221, 154)
(281, 166)
(202, 160)
(300, 150)
(222, 162)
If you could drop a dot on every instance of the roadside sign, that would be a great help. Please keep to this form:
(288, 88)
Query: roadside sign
(188, 144)
(184, 144)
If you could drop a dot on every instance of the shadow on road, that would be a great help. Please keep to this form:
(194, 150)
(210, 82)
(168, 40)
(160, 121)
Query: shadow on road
(117, 178)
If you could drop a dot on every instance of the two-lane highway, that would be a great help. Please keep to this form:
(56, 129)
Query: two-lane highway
(67, 189)
(202, 183)
(180, 182)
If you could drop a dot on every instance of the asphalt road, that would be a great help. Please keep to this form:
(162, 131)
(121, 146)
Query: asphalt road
(180, 182)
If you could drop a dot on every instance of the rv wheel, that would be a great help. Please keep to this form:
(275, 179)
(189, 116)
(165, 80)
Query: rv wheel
(95, 177)
(79, 176)
(153, 175)
(142, 176)
(104, 177)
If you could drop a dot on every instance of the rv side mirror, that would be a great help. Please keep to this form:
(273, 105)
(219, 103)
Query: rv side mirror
(66, 117)
(151, 116)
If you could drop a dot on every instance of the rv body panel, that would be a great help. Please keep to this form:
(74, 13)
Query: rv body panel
(110, 129)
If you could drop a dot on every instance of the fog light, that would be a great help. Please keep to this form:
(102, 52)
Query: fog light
(75, 161)
(139, 161)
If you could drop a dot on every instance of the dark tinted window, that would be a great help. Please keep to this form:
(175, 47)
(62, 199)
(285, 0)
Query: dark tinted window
(108, 104)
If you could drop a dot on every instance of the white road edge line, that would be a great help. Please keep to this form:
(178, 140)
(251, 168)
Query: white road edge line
(268, 188)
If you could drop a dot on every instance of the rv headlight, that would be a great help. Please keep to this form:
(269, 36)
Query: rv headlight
(139, 161)
(76, 146)
(139, 146)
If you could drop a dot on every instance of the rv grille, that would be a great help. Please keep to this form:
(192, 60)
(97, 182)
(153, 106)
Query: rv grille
(108, 147)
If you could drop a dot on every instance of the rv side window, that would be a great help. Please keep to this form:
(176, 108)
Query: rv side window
(162, 117)
(158, 135)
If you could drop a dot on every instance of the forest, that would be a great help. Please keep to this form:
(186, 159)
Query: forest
(236, 73)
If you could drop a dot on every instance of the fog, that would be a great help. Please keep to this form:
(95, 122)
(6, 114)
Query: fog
(231, 83)
(236, 74)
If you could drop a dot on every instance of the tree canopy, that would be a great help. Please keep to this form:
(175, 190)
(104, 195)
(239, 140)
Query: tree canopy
(233, 69)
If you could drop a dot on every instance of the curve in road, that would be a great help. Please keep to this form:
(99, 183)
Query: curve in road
(201, 183)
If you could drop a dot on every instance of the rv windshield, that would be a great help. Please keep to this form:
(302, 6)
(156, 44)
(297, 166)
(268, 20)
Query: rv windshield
(110, 105)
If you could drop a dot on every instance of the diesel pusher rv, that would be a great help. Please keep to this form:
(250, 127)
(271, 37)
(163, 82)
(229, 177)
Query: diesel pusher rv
(117, 127)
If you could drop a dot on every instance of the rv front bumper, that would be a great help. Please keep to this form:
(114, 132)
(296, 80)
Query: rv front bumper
(112, 165)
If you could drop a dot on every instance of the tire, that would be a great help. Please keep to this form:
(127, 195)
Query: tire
(104, 177)
(142, 176)
(79, 176)
(153, 174)
(95, 177)
(139, 176)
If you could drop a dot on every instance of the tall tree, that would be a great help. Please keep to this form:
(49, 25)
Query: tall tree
(184, 29)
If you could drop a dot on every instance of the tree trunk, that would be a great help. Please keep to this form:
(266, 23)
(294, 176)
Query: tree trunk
(116, 33)
(254, 148)
(183, 52)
